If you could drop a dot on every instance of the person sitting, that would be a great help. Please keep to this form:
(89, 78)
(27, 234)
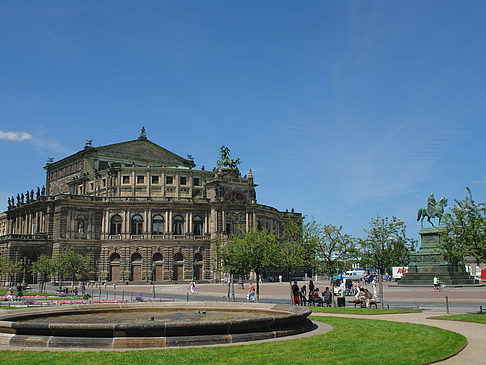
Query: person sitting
(316, 299)
(366, 297)
(357, 297)
(327, 297)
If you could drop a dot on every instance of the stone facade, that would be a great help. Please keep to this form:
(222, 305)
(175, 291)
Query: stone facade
(137, 210)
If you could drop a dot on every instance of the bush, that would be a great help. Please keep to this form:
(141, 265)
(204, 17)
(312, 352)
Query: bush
(139, 298)
(86, 296)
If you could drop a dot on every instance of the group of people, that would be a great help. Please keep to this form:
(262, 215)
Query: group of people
(310, 295)
(20, 292)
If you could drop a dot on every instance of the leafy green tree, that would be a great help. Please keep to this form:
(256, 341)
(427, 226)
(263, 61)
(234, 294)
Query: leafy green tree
(250, 251)
(43, 266)
(293, 250)
(332, 247)
(70, 263)
(10, 267)
(386, 245)
(465, 233)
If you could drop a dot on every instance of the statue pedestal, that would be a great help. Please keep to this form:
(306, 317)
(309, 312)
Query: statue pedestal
(427, 262)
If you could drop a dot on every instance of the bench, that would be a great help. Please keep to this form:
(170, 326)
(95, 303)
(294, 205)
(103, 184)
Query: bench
(373, 302)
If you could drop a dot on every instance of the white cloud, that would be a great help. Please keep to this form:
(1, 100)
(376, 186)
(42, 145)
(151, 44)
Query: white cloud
(15, 136)
(480, 181)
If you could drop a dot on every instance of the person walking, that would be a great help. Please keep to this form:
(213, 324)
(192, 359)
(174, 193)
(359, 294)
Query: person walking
(436, 283)
(251, 293)
(192, 286)
(19, 292)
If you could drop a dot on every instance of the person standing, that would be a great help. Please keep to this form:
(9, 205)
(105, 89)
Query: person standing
(436, 283)
(311, 290)
(19, 292)
(295, 293)
(303, 295)
(373, 287)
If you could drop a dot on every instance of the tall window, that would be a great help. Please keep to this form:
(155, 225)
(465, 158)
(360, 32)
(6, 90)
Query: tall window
(178, 225)
(116, 224)
(197, 224)
(137, 224)
(157, 224)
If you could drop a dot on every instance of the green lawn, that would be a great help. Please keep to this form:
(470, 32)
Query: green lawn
(3, 292)
(478, 318)
(366, 311)
(353, 341)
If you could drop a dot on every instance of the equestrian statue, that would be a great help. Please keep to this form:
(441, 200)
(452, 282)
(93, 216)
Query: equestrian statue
(434, 209)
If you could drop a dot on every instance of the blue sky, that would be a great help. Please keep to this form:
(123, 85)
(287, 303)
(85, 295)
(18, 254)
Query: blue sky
(343, 110)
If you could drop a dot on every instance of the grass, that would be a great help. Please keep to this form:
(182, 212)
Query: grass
(3, 292)
(477, 318)
(366, 311)
(353, 341)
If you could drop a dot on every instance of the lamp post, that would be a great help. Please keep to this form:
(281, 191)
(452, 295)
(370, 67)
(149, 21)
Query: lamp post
(24, 281)
(99, 280)
(153, 279)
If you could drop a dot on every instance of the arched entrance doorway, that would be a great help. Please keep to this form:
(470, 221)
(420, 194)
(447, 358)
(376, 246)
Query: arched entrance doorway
(136, 267)
(198, 267)
(178, 267)
(159, 266)
(115, 267)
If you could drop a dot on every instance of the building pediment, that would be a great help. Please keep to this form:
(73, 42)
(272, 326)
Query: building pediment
(142, 150)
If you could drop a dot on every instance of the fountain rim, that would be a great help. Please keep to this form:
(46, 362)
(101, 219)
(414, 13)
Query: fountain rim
(291, 320)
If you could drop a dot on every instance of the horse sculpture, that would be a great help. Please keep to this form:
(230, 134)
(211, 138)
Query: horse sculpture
(432, 210)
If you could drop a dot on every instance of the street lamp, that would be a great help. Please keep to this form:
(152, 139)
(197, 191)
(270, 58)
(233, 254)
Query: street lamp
(99, 281)
(153, 279)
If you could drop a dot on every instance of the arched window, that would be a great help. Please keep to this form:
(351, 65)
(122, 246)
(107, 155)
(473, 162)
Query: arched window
(197, 225)
(115, 258)
(116, 224)
(136, 257)
(178, 257)
(178, 226)
(157, 224)
(157, 257)
(198, 257)
(137, 224)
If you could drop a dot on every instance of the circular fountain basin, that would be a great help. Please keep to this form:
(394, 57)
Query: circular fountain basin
(145, 325)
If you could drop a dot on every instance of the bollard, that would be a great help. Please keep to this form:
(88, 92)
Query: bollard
(114, 295)
(447, 303)
(480, 309)
(187, 297)
(131, 298)
(123, 295)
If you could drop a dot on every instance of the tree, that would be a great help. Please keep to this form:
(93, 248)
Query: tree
(331, 247)
(293, 250)
(386, 245)
(70, 263)
(44, 266)
(10, 267)
(465, 233)
(250, 251)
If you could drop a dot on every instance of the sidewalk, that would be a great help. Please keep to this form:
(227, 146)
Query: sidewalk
(473, 353)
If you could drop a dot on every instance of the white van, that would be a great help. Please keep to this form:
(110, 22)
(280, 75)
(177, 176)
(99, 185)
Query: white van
(354, 274)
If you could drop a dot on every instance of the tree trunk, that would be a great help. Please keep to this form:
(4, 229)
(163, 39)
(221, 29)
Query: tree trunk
(257, 287)
(290, 283)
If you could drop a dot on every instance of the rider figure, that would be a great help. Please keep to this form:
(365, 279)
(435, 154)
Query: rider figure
(431, 203)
